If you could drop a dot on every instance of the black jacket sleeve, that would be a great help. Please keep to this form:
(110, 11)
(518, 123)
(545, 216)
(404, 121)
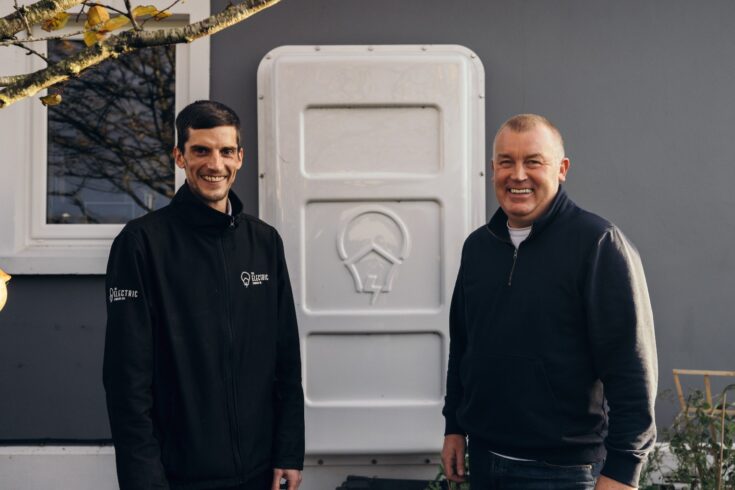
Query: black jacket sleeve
(289, 430)
(620, 323)
(457, 346)
(128, 368)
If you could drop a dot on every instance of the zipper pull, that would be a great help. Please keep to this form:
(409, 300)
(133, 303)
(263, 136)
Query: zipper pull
(513, 267)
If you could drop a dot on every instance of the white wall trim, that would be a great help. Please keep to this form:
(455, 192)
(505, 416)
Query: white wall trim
(28, 245)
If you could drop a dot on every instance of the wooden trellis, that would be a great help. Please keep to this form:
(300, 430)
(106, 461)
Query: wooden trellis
(707, 387)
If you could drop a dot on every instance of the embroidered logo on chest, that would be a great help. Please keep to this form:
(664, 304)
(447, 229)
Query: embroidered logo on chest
(252, 279)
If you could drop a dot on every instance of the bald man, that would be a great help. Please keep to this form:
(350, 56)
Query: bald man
(550, 322)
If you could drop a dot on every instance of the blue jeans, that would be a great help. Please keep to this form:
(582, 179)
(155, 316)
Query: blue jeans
(491, 472)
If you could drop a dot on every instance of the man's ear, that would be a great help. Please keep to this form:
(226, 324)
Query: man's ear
(563, 169)
(240, 156)
(179, 158)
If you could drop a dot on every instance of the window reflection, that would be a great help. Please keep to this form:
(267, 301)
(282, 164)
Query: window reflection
(110, 141)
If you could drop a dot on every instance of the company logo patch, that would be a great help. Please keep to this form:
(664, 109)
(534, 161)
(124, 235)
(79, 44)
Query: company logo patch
(122, 294)
(252, 279)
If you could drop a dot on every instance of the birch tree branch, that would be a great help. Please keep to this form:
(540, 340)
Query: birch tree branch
(23, 86)
(12, 24)
(11, 79)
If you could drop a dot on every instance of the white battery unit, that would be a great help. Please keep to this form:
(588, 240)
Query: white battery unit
(371, 164)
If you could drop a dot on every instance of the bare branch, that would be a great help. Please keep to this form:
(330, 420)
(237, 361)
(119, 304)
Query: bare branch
(32, 14)
(41, 39)
(130, 15)
(30, 50)
(126, 42)
(22, 11)
(108, 7)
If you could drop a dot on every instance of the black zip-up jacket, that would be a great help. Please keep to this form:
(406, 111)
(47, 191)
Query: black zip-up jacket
(541, 336)
(202, 364)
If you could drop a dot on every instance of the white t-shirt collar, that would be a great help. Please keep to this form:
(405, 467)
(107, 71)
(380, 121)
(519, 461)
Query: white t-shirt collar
(517, 235)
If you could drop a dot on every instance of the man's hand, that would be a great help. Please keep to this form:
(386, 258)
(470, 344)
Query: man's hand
(453, 457)
(293, 478)
(605, 483)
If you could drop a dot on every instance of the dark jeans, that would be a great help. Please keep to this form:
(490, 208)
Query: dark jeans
(259, 482)
(491, 472)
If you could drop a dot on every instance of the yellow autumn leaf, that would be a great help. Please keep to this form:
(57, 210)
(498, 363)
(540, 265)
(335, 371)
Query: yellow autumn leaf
(91, 37)
(162, 15)
(97, 15)
(115, 23)
(142, 10)
(56, 22)
(4, 277)
(51, 99)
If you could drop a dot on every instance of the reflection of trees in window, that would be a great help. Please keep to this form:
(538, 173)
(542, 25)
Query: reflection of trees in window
(109, 143)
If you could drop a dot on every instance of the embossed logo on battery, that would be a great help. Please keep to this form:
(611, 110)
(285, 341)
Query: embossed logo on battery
(372, 244)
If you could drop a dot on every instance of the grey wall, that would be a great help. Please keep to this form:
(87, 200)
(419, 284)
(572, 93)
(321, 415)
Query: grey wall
(51, 340)
(642, 91)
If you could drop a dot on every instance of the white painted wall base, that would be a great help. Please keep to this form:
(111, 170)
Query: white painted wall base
(93, 468)
(57, 467)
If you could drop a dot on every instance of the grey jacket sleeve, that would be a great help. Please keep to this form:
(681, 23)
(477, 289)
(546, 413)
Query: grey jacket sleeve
(128, 368)
(621, 334)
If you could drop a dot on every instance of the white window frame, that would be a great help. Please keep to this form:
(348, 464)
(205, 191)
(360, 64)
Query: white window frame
(29, 245)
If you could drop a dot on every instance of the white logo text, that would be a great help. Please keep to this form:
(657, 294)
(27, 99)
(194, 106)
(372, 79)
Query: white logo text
(251, 278)
(122, 294)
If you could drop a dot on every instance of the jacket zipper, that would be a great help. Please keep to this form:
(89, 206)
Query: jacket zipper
(515, 253)
(513, 267)
(235, 429)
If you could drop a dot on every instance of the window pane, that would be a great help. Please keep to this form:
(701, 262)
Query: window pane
(110, 140)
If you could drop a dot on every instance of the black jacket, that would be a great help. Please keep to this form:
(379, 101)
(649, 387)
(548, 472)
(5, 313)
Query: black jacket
(540, 337)
(202, 365)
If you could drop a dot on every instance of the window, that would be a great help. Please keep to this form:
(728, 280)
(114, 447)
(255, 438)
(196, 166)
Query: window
(109, 144)
(75, 173)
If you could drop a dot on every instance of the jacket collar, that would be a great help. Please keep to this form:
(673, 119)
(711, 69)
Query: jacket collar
(192, 210)
(498, 224)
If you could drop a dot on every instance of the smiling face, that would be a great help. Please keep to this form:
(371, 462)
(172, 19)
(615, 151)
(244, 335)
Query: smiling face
(527, 169)
(211, 158)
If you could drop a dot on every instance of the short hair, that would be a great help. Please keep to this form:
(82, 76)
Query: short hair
(525, 122)
(204, 114)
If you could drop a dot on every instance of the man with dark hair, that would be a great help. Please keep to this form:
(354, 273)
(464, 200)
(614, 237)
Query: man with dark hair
(204, 114)
(202, 364)
(550, 319)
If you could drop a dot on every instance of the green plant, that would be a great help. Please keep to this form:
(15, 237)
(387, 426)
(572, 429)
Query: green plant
(701, 441)
(654, 464)
(441, 482)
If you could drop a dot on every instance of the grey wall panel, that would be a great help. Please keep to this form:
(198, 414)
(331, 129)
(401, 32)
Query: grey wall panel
(51, 340)
(641, 89)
